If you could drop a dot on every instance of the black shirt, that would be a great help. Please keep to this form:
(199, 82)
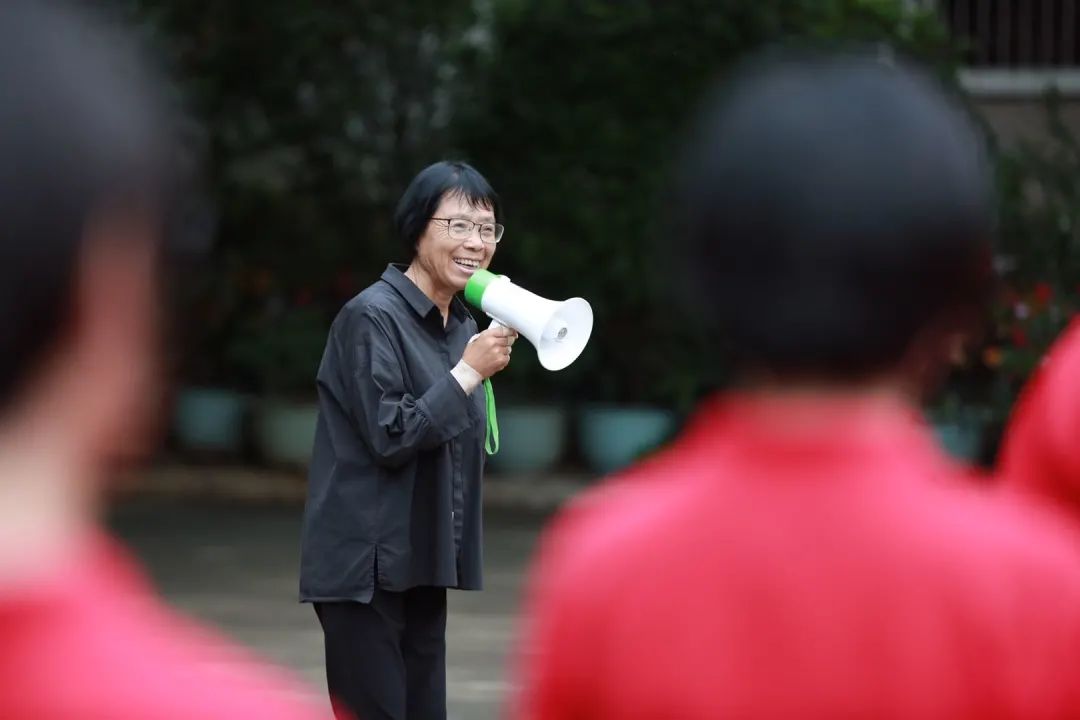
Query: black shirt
(394, 490)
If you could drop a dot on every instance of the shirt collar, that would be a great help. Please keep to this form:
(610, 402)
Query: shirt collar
(420, 303)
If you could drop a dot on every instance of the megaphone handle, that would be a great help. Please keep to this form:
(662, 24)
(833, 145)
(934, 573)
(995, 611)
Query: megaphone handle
(496, 323)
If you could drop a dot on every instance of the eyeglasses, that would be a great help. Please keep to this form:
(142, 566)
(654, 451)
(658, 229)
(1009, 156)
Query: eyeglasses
(462, 229)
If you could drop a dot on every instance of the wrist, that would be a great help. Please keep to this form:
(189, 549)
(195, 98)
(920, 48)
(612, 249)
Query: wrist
(467, 377)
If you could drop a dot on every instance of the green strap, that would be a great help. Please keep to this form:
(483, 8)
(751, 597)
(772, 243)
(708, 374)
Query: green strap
(492, 421)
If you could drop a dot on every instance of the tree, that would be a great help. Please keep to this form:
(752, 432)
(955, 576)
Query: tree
(577, 112)
(316, 116)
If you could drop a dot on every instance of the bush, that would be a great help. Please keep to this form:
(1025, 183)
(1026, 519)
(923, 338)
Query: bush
(316, 115)
(577, 112)
(278, 353)
(1040, 256)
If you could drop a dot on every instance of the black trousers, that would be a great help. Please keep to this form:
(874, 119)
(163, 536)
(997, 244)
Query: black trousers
(386, 660)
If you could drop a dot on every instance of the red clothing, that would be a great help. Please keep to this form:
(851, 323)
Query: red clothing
(1040, 449)
(93, 642)
(836, 572)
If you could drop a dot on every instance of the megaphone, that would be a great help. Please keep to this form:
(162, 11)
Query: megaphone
(558, 330)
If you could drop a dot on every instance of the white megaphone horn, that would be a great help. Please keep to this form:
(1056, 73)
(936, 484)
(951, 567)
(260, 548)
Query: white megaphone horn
(558, 330)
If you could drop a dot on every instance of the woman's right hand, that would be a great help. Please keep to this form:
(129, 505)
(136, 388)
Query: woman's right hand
(489, 352)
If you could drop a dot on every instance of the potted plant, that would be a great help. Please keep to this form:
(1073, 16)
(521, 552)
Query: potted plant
(281, 351)
(612, 436)
(958, 425)
(209, 409)
(209, 419)
(639, 391)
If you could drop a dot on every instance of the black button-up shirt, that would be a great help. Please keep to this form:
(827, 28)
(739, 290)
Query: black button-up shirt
(394, 490)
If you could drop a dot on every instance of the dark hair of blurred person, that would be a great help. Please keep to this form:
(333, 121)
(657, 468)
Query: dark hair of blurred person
(835, 218)
(804, 549)
(90, 181)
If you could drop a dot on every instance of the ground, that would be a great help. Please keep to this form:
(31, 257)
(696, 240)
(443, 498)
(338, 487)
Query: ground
(235, 566)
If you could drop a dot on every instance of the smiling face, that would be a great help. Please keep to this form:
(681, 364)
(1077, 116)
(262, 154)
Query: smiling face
(449, 262)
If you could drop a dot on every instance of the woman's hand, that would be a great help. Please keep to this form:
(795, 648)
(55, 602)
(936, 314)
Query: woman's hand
(489, 352)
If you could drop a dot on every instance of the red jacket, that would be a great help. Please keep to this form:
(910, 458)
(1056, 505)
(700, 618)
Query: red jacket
(1040, 451)
(94, 643)
(841, 570)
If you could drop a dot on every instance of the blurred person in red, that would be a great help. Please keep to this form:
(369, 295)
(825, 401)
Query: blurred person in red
(1040, 448)
(804, 549)
(87, 190)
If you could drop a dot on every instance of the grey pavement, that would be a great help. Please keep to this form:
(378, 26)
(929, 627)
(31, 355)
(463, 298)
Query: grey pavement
(234, 566)
(247, 484)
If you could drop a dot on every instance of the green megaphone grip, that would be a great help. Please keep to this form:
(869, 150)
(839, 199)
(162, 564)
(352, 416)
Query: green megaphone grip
(474, 294)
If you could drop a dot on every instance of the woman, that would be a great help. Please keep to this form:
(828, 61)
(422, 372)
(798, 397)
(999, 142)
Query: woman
(393, 514)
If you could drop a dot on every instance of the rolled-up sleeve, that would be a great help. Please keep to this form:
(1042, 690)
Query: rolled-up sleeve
(395, 424)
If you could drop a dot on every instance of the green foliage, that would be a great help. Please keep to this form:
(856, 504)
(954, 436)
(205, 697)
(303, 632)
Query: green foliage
(278, 354)
(316, 116)
(1039, 259)
(1040, 246)
(577, 112)
(1040, 193)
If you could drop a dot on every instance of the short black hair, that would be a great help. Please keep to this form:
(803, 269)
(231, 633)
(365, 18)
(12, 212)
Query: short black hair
(422, 197)
(832, 205)
(82, 130)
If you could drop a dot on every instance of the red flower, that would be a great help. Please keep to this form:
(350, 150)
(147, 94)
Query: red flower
(1043, 292)
(1019, 337)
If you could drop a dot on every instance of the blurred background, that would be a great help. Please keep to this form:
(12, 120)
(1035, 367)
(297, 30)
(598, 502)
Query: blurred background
(316, 115)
